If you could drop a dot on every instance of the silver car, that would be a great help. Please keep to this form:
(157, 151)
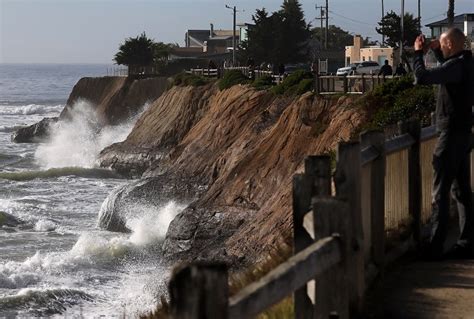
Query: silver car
(362, 67)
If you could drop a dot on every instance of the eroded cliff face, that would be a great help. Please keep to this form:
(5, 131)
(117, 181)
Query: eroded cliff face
(244, 146)
(116, 98)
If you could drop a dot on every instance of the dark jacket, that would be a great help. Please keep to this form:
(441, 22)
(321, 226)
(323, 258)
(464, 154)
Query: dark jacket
(455, 96)
(386, 70)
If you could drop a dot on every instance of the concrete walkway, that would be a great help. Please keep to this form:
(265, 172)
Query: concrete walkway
(425, 290)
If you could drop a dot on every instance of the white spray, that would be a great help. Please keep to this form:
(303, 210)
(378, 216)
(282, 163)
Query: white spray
(78, 142)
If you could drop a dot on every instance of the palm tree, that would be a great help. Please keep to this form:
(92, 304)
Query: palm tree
(451, 13)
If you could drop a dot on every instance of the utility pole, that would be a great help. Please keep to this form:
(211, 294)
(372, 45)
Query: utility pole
(321, 19)
(234, 43)
(402, 28)
(323, 15)
(383, 15)
(327, 26)
(419, 15)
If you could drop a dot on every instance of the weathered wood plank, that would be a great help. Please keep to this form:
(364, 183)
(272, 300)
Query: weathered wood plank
(301, 238)
(331, 216)
(286, 278)
(199, 291)
(398, 144)
(427, 133)
(413, 127)
(368, 154)
(377, 196)
(348, 178)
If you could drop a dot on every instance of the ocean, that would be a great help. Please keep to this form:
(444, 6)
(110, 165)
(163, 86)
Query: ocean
(58, 263)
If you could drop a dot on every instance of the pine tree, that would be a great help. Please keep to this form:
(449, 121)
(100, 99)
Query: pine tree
(293, 33)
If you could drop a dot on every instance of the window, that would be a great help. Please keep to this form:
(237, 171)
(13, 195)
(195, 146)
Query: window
(363, 58)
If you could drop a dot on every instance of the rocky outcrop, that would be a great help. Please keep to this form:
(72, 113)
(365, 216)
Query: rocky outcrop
(244, 146)
(116, 99)
(34, 133)
(159, 130)
(7, 220)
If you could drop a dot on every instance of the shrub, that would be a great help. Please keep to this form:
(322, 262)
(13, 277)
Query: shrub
(416, 102)
(231, 78)
(186, 79)
(263, 83)
(290, 84)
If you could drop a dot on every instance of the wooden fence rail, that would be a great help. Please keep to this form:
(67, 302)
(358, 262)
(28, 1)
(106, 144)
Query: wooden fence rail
(340, 240)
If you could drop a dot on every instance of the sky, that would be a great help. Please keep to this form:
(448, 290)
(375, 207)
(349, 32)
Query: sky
(90, 31)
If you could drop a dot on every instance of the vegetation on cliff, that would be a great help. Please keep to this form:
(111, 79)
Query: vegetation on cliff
(186, 79)
(398, 100)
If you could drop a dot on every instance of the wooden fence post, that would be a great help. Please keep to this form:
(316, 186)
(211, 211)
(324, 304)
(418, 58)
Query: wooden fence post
(376, 139)
(199, 291)
(315, 181)
(363, 83)
(345, 85)
(301, 238)
(413, 128)
(347, 179)
(332, 217)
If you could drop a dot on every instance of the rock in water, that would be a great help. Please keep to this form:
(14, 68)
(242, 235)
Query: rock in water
(34, 133)
(130, 200)
(8, 220)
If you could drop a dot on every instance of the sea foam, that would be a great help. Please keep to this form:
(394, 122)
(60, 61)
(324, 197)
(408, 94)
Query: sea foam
(77, 142)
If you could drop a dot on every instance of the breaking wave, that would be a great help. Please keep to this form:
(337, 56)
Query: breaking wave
(58, 172)
(44, 301)
(30, 109)
(78, 142)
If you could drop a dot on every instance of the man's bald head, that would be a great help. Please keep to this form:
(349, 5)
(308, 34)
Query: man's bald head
(452, 42)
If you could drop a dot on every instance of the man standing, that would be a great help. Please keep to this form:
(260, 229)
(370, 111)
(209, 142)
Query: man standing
(455, 99)
(386, 69)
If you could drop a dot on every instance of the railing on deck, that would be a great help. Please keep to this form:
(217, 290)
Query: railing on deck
(349, 84)
(248, 72)
(341, 240)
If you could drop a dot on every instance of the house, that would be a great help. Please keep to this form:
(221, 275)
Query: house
(221, 39)
(358, 52)
(463, 22)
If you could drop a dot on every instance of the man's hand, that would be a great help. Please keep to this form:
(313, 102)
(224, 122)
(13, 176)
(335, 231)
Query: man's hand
(419, 42)
(434, 44)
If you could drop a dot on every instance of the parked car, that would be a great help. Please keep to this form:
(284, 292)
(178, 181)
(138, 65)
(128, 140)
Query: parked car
(367, 67)
(291, 68)
(348, 69)
(362, 67)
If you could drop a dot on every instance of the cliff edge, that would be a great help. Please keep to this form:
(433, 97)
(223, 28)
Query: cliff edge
(242, 146)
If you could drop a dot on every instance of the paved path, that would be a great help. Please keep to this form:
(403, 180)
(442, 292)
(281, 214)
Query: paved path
(425, 290)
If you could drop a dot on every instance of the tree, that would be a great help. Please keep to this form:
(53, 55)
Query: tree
(293, 33)
(390, 27)
(450, 13)
(338, 38)
(261, 44)
(142, 51)
(281, 37)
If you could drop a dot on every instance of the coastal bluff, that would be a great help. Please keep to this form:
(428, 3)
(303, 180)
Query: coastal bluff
(238, 149)
(115, 99)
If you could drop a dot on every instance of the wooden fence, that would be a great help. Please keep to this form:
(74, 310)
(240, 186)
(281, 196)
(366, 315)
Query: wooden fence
(341, 233)
(349, 84)
(250, 73)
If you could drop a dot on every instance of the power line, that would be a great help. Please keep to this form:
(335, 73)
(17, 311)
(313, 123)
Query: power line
(350, 19)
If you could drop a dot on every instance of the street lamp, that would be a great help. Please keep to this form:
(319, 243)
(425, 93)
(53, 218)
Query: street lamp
(234, 9)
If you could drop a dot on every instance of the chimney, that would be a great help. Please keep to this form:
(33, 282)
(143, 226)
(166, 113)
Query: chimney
(212, 31)
(358, 42)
